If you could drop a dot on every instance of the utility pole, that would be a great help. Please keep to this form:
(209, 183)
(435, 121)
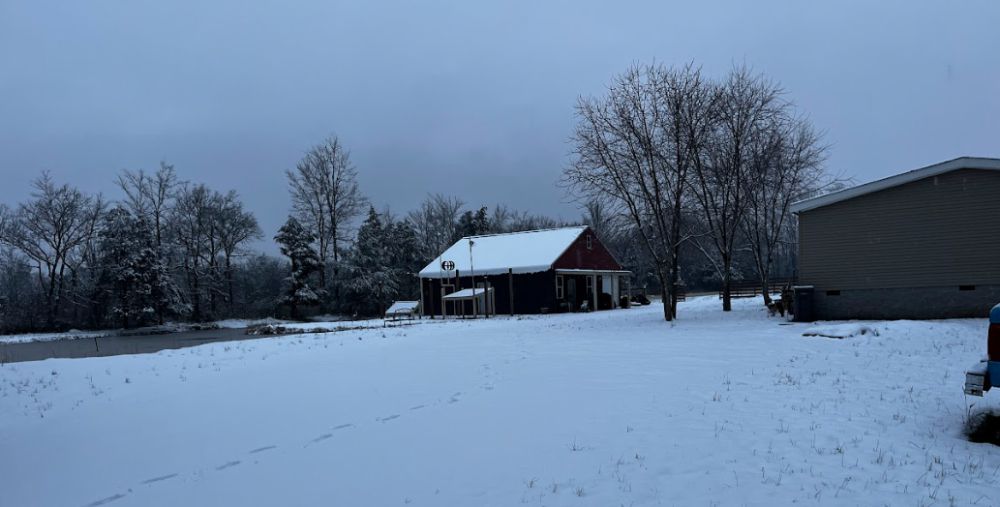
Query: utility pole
(472, 270)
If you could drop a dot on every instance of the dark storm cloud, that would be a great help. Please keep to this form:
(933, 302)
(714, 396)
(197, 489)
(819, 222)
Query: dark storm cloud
(467, 98)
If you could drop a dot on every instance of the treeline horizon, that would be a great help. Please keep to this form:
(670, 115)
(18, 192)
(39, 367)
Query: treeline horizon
(167, 249)
(655, 172)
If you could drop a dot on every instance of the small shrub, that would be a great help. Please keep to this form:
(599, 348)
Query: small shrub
(984, 427)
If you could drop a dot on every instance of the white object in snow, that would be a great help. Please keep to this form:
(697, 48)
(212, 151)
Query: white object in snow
(977, 379)
(403, 308)
(849, 330)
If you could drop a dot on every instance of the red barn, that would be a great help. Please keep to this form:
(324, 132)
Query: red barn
(551, 270)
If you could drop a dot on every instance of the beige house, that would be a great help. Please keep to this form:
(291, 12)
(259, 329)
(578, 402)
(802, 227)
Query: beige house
(919, 245)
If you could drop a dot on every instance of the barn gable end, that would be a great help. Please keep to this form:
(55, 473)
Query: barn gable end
(579, 256)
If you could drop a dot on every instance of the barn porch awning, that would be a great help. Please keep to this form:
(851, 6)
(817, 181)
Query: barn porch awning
(466, 294)
(592, 272)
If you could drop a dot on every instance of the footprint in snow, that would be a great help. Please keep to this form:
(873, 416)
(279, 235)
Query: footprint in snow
(228, 465)
(418, 407)
(391, 417)
(342, 426)
(321, 438)
(262, 449)
(158, 479)
(109, 499)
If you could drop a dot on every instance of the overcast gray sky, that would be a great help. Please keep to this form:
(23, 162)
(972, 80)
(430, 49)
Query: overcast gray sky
(470, 98)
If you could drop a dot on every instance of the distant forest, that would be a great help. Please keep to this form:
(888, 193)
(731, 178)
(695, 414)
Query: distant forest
(686, 179)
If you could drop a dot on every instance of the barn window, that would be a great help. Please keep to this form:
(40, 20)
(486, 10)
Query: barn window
(559, 287)
(590, 285)
(590, 242)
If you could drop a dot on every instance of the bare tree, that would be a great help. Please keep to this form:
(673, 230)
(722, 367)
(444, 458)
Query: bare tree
(746, 104)
(501, 218)
(48, 230)
(524, 221)
(785, 166)
(149, 196)
(326, 199)
(191, 226)
(435, 223)
(236, 227)
(600, 219)
(634, 151)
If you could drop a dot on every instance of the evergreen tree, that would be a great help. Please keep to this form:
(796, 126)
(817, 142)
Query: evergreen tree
(473, 224)
(404, 254)
(297, 244)
(374, 283)
(135, 282)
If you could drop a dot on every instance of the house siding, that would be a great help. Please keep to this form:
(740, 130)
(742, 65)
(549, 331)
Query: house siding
(914, 244)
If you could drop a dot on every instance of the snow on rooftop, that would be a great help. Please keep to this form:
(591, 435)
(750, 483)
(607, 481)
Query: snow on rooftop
(403, 307)
(469, 293)
(989, 164)
(523, 252)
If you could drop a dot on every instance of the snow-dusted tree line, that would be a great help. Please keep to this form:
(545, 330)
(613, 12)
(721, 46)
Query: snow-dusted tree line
(169, 250)
(688, 180)
(364, 258)
(698, 171)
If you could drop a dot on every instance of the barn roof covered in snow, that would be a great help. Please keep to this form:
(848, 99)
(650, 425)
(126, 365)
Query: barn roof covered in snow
(522, 252)
(989, 164)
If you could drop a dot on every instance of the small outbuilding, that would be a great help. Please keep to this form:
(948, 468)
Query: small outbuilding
(542, 271)
(924, 244)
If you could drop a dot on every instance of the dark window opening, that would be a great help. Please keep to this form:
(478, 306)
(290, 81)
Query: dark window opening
(966, 287)
(590, 242)
(833, 293)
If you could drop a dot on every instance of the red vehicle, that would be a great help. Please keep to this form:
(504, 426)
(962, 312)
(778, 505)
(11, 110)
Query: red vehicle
(980, 377)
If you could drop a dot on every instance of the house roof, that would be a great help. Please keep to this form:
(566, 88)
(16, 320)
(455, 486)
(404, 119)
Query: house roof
(990, 164)
(493, 254)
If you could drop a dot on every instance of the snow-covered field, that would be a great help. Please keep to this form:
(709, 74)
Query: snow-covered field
(611, 408)
(47, 337)
(325, 321)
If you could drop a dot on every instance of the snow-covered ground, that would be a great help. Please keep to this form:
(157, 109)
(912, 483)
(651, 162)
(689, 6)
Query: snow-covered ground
(610, 408)
(242, 323)
(325, 321)
(47, 337)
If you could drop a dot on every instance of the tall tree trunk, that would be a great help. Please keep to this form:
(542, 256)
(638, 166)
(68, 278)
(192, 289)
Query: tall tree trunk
(336, 269)
(675, 253)
(50, 298)
(765, 288)
(292, 303)
(727, 284)
(229, 281)
(668, 293)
